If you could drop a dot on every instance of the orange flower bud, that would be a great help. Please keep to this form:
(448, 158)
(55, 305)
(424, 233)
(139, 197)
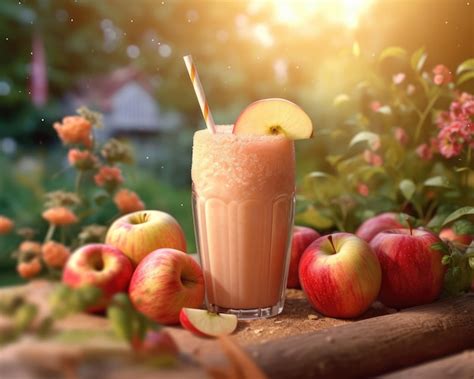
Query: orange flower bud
(29, 269)
(30, 247)
(108, 177)
(6, 225)
(128, 201)
(55, 254)
(74, 130)
(81, 159)
(59, 216)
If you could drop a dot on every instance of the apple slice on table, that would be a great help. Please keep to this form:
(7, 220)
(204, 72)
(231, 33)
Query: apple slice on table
(207, 324)
(273, 117)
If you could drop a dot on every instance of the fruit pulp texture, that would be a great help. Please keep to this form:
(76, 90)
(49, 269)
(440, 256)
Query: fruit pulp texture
(243, 194)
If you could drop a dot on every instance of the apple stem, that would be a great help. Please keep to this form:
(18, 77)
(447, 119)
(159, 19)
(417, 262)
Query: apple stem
(410, 225)
(332, 244)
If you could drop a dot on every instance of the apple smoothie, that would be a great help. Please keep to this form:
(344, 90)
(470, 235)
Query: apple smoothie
(243, 205)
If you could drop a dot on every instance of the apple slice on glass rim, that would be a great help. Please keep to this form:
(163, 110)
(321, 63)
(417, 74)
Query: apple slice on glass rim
(207, 324)
(273, 117)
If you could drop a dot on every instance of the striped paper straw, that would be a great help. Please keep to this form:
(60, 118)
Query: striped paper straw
(193, 74)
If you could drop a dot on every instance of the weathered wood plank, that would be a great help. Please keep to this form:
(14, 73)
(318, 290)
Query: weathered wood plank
(459, 366)
(373, 346)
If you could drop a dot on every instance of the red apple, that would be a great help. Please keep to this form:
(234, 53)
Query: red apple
(139, 233)
(302, 237)
(101, 266)
(165, 281)
(450, 235)
(340, 275)
(207, 324)
(373, 226)
(412, 272)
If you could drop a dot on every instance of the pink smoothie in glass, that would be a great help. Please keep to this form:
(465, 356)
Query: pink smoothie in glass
(243, 204)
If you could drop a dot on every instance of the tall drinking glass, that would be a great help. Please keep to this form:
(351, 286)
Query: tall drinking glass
(243, 208)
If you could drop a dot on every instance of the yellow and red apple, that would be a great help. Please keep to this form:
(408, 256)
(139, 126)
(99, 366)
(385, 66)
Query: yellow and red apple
(139, 233)
(165, 281)
(340, 275)
(302, 237)
(412, 272)
(99, 265)
(374, 225)
(274, 117)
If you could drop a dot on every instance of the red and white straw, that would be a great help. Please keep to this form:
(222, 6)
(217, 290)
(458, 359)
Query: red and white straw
(193, 74)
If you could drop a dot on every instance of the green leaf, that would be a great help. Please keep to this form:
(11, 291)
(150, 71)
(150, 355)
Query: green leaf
(461, 227)
(465, 77)
(446, 260)
(458, 277)
(458, 214)
(393, 52)
(371, 138)
(436, 221)
(408, 188)
(471, 262)
(418, 59)
(437, 181)
(467, 65)
(440, 246)
(317, 174)
(314, 218)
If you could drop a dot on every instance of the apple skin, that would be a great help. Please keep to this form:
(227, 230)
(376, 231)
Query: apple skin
(165, 281)
(412, 272)
(186, 324)
(139, 233)
(99, 265)
(212, 324)
(450, 235)
(374, 225)
(302, 237)
(342, 284)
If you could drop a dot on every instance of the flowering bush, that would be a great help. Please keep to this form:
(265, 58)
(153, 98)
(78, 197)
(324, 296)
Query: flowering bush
(405, 144)
(67, 211)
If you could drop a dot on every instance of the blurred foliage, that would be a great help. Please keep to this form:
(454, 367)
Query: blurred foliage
(239, 46)
(389, 151)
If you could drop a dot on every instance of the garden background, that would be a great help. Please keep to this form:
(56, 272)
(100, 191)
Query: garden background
(355, 67)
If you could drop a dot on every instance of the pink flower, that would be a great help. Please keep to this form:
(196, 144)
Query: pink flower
(424, 152)
(401, 136)
(363, 189)
(375, 105)
(467, 103)
(450, 141)
(372, 158)
(443, 119)
(442, 75)
(398, 78)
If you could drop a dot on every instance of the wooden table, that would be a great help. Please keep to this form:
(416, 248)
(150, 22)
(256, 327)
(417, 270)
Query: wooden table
(430, 341)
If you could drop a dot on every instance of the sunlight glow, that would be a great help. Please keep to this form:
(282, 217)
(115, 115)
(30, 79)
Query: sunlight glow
(345, 12)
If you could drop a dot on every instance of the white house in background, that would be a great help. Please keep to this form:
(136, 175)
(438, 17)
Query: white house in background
(130, 111)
